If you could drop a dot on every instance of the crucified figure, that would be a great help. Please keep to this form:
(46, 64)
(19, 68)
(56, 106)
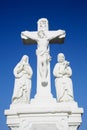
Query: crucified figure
(43, 37)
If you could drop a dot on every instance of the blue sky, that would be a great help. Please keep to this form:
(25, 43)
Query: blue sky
(20, 15)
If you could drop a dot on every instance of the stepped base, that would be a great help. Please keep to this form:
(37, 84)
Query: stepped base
(51, 116)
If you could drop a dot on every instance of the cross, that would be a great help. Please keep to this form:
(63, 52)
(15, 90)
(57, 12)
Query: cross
(43, 37)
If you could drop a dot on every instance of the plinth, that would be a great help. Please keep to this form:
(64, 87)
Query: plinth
(55, 116)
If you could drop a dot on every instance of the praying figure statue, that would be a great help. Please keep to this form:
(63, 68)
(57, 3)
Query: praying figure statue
(63, 82)
(22, 87)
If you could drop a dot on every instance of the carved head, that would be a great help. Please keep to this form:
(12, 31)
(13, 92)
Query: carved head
(42, 24)
(60, 57)
(25, 59)
(41, 34)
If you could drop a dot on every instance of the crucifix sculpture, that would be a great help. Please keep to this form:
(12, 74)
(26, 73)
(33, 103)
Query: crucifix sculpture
(43, 37)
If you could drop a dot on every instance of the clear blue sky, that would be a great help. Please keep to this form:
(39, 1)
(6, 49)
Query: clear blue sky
(20, 15)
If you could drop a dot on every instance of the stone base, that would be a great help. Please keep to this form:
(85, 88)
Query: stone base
(57, 116)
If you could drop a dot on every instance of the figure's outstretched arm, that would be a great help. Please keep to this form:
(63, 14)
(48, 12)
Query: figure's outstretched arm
(59, 33)
(29, 35)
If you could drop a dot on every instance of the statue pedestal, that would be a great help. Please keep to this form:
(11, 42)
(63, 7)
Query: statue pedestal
(55, 116)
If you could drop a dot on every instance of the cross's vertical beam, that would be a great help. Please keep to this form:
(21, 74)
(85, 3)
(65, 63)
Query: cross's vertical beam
(43, 87)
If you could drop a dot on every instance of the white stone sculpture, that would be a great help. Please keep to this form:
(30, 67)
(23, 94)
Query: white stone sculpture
(43, 112)
(22, 87)
(63, 82)
(43, 37)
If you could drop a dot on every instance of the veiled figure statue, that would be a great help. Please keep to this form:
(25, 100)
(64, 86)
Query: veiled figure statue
(63, 82)
(22, 87)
